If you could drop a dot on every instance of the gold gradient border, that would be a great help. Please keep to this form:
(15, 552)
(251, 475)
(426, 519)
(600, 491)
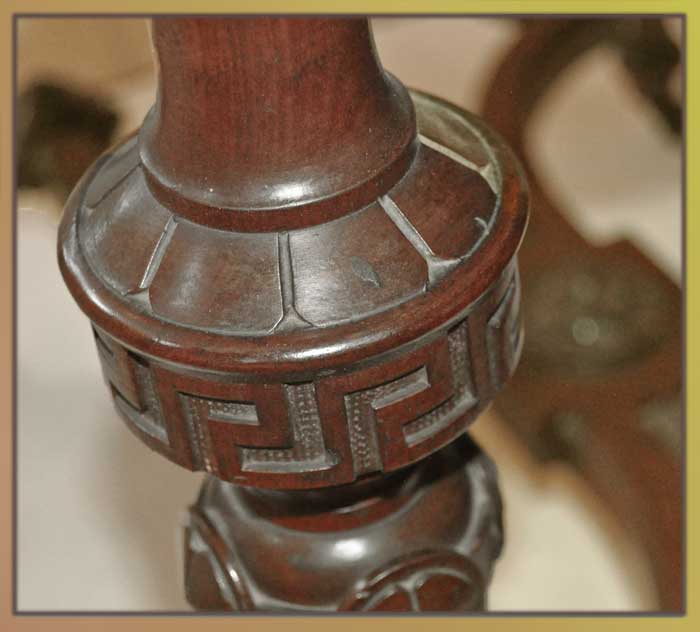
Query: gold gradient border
(8, 621)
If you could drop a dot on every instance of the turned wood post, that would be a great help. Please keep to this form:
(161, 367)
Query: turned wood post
(302, 280)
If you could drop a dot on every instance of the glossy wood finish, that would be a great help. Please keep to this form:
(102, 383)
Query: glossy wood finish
(289, 154)
(300, 276)
(425, 540)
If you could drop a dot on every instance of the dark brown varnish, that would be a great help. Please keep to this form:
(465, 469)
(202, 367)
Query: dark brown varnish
(302, 280)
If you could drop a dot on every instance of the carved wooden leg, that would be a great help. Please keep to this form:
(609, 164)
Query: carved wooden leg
(303, 281)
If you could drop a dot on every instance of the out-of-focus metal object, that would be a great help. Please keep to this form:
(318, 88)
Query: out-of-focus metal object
(600, 380)
(60, 132)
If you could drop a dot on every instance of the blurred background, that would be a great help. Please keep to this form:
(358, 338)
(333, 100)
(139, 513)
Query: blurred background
(99, 516)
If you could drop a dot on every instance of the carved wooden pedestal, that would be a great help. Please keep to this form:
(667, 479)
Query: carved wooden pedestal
(302, 280)
(424, 538)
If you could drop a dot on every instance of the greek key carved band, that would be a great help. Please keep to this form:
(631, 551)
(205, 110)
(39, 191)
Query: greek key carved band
(329, 430)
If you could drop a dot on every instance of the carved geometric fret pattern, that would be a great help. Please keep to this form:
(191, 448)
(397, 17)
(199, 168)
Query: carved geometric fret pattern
(465, 398)
(116, 369)
(149, 418)
(199, 439)
(392, 417)
(308, 451)
(360, 407)
(504, 336)
(398, 411)
(327, 431)
(273, 429)
(132, 386)
(234, 412)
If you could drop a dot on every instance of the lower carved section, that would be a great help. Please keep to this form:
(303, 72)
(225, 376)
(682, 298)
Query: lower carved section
(426, 581)
(422, 539)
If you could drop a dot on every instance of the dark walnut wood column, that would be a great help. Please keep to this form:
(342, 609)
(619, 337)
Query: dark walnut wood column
(302, 280)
